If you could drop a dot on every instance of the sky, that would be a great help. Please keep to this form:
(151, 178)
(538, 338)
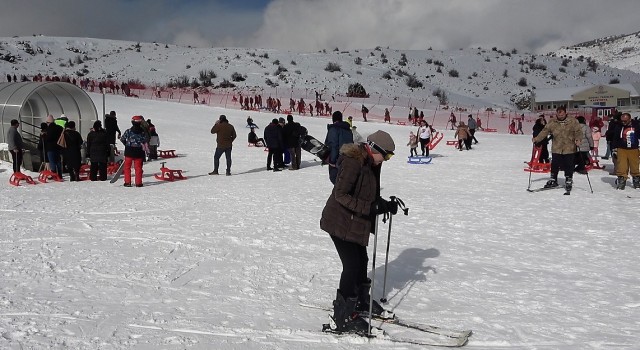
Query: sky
(311, 25)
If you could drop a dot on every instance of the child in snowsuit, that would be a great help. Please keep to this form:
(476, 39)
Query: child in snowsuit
(413, 144)
(597, 135)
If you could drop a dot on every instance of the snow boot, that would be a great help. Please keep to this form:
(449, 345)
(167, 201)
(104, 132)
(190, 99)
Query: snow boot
(553, 182)
(347, 320)
(621, 183)
(568, 184)
(363, 302)
(636, 182)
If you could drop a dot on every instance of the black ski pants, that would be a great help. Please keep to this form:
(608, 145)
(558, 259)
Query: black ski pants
(354, 266)
(277, 156)
(16, 157)
(424, 146)
(564, 162)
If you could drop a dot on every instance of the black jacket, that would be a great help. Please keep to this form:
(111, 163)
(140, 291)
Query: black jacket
(273, 136)
(98, 145)
(51, 139)
(291, 134)
(111, 126)
(74, 145)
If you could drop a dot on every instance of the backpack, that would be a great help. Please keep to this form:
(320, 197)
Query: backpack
(131, 139)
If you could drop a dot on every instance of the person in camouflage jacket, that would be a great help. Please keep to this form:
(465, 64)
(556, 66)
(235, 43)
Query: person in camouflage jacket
(566, 135)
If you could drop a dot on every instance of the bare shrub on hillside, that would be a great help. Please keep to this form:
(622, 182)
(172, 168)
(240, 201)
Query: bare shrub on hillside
(333, 67)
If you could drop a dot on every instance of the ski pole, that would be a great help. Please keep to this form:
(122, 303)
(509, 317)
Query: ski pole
(585, 168)
(373, 276)
(589, 181)
(386, 261)
(405, 210)
(529, 186)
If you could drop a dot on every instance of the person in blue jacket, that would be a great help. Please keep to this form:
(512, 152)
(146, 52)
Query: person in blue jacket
(338, 134)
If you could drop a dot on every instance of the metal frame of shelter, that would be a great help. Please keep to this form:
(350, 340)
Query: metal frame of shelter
(31, 102)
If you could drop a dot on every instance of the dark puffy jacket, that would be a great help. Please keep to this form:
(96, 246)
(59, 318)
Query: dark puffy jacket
(273, 136)
(111, 126)
(346, 214)
(291, 134)
(74, 144)
(537, 127)
(51, 139)
(625, 136)
(98, 145)
(338, 134)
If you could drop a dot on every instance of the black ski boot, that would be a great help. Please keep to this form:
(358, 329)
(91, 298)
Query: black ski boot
(553, 182)
(568, 184)
(347, 320)
(636, 182)
(363, 303)
(621, 183)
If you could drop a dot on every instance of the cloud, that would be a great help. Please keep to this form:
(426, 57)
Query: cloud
(310, 25)
(420, 24)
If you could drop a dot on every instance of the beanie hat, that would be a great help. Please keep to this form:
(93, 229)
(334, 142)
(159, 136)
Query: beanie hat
(49, 118)
(63, 117)
(289, 118)
(383, 140)
(274, 121)
(97, 125)
(137, 119)
(223, 118)
(71, 124)
(336, 116)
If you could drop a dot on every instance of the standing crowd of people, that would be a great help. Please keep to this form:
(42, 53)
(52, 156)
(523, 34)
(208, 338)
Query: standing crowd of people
(61, 147)
(575, 146)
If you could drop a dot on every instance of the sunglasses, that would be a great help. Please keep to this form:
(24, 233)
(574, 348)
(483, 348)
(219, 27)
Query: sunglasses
(385, 154)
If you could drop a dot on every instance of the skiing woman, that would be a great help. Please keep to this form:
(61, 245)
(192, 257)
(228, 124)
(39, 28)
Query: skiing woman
(349, 217)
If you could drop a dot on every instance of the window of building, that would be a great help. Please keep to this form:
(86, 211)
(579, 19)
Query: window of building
(634, 101)
(623, 102)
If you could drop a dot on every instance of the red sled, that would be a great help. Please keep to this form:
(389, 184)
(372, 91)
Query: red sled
(594, 164)
(17, 177)
(167, 174)
(436, 140)
(47, 175)
(169, 153)
(85, 169)
(112, 167)
(534, 165)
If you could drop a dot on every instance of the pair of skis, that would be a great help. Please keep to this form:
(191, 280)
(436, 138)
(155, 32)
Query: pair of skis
(566, 193)
(439, 336)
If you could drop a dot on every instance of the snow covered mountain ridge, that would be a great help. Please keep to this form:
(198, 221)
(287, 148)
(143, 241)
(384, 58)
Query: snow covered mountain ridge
(620, 51)
(470, 76)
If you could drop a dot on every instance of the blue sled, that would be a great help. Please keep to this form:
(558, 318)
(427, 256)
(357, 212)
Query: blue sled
(419, 160)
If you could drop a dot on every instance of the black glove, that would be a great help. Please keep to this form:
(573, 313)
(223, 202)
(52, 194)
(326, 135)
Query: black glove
(593, 148)
(383, 206)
